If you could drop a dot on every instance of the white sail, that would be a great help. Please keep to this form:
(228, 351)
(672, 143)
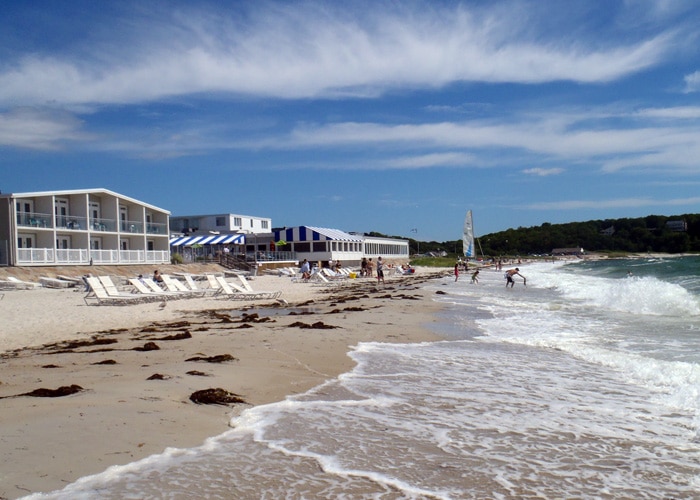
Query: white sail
(468, 236)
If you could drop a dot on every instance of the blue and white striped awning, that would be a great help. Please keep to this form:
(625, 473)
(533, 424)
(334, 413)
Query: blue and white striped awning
(219, 239)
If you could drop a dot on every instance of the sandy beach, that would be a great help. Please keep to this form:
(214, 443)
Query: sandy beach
(136, 366)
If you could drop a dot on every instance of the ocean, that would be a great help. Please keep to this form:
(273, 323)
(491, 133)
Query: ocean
(583, 384)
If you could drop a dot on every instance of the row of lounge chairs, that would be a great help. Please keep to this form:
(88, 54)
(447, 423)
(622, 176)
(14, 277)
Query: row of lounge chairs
(12, 283)
(103, 291)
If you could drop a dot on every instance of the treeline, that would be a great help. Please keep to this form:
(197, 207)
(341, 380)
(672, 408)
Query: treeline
(654, 233)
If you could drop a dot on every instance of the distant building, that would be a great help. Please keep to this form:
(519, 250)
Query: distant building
(222, 223)
(78, 227)
(323, 245)
(568, 251)
(679, 226)
(196, 236)
(608, 231)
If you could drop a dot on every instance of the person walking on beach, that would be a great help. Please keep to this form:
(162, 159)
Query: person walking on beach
(370, 266)
(457, 271)
(509, 277)
(380, 270)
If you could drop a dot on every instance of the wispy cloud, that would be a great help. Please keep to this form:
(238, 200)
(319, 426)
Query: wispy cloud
(615, 203)
(667, 146)
(543, 172)
(692, 82)
(39, 129)
(431, 160)
(314, 50)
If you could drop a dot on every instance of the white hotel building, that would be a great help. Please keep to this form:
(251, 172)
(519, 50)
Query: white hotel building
(79, 227)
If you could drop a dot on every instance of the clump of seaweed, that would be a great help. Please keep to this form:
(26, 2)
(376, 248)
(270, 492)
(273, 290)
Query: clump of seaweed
(148, 346)
(319, 325)
(220, 358)
(216, 396)
(64, 390)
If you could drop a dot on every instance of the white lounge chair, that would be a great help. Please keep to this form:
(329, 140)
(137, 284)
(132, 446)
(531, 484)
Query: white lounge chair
(262, 294)
(98, 295)
(153, 292)
(320, 279)
(12, 283)
(195, 287)
(231, 291)
(174, 285)
(47, 282)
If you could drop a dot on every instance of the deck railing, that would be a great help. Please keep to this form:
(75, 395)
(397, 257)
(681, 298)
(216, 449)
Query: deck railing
(83, 256)
(34, 219)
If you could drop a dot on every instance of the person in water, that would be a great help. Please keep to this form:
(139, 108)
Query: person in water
(475, 279)
(509, 277)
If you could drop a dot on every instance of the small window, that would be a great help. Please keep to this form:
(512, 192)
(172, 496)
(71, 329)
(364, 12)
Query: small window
(220, 221)
(302, 246)
(237, 221)
(264, 224)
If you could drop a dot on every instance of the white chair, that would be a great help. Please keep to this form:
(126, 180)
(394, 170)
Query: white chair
(262, 294)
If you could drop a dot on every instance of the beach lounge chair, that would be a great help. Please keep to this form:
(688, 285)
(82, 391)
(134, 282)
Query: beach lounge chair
(331, 275)
(231, 291)
(12, 283)
(321, 280)
(152, 292)
(194, 287)
(262, 294)
(214, 284)
(98, 295)
(113, 291)
(174, 285)
(47, 282)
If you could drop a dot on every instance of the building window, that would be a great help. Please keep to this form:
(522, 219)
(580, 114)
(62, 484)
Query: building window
(220, 221)
(264, 224)
(237, 221)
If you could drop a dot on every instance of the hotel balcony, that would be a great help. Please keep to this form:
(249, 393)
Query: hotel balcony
(76, 223)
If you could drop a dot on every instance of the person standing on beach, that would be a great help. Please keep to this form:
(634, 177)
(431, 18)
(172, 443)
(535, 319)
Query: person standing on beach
(370, 265)
(380, 270)
(457, 271)
(475, 280)
(509, 277)
(305, 270)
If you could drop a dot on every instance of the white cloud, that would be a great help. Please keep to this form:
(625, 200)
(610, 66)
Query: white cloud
(679, 112)
(692, 82)
(543, 172)
(612, 148)
(607, 204)
(39, 129)
(431, 160)
(305, 50)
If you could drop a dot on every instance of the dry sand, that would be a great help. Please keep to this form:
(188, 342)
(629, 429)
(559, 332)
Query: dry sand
(50, 338)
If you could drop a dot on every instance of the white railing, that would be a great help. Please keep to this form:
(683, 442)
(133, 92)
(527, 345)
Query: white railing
(28, 256)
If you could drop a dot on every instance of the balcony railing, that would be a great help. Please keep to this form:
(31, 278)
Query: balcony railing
(156, 228)
(71, 222)
(33, 219)
(131, 226)
(103, 225)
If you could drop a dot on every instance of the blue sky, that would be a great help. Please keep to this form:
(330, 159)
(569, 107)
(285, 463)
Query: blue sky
(361, 116)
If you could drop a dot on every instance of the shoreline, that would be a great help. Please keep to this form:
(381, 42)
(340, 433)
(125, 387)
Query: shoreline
(121, 416)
